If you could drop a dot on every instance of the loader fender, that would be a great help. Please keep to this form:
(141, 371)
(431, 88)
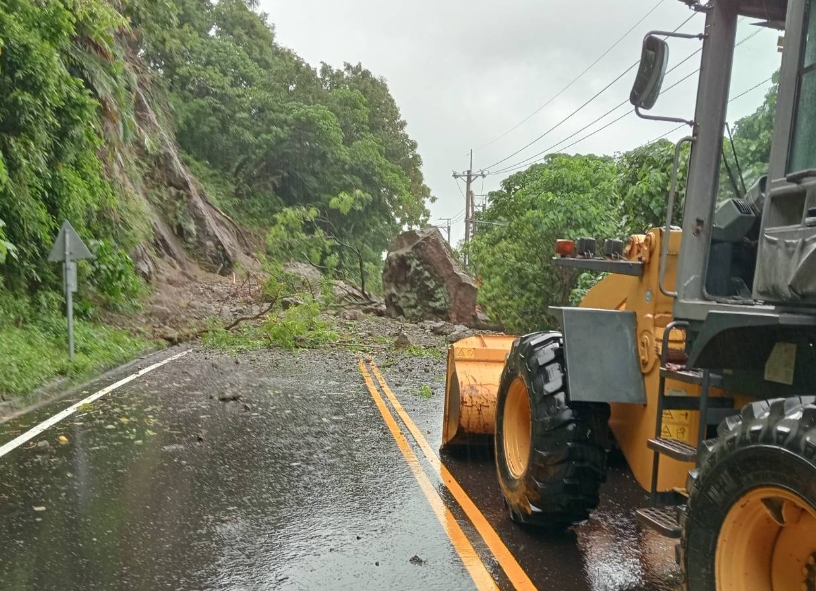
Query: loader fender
(601, 352)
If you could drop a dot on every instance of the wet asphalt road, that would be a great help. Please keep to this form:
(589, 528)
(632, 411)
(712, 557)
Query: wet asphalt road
(275, 471)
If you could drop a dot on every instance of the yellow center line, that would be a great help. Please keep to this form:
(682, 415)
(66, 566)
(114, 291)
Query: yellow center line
(474, 565)
(503, 555)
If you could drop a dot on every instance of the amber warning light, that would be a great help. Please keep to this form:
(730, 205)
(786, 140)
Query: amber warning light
(565, 248)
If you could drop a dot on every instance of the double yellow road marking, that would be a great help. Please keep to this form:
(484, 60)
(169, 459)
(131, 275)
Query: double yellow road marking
(474, 565)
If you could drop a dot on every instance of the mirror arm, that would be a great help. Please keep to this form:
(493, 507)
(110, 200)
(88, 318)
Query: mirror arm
(699, 36)
(643, 115)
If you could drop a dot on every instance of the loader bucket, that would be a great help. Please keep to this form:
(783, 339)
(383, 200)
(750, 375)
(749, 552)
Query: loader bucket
(475, 366)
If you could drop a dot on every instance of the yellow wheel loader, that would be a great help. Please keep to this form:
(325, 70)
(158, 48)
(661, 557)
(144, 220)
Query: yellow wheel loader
(697, 351)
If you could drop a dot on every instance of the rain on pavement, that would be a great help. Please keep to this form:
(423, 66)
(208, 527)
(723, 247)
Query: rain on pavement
(273, 470)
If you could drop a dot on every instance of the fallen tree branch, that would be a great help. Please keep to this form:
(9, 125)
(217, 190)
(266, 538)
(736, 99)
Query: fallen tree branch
(237, 321)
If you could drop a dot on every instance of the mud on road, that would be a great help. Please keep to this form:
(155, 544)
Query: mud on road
(275, 470)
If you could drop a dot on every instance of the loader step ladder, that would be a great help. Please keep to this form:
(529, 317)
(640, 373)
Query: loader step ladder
(663, 520)
(662, 514)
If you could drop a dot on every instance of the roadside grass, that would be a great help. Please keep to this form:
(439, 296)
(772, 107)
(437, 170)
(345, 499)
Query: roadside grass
(35, 353)
(424, 392)
(424, 352)
(243, 338)
(298, 327)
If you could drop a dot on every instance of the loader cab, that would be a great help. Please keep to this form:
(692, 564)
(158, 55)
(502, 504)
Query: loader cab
(748, 257)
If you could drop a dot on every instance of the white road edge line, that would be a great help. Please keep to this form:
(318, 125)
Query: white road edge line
(34, 431)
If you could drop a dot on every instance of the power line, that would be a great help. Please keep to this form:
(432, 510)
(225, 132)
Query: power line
(660, 137)
(574, 80)
(458, 216)
(579, 109)
(526, 162)
(742, 94)
(458, 186)
(669, 132)
(589, 135)
(588, 125)
(567, 118)
(739, 96)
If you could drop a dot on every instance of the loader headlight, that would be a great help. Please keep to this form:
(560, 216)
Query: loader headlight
(564, 248)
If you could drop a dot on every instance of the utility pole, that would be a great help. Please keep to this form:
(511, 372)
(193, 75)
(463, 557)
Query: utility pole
(469, 207)
(448, 222)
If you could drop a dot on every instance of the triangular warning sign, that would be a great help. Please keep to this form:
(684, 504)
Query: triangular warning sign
(68, 246)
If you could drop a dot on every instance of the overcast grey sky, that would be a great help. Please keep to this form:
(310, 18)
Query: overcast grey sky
(464, 72)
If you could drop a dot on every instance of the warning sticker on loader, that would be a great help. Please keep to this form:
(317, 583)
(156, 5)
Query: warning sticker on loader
(680, 417)
(678, 432)
(676, 425)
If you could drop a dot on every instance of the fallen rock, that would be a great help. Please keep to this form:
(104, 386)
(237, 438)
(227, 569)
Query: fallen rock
(422, 280)
(416, 560)
(402, 341)
(483, 321)
(460, 332)
(143, 263)
(287, 303)
(442, 328)
(377, 309)
(168, 334)
(161, 313)
(306, 272)
(352, 314)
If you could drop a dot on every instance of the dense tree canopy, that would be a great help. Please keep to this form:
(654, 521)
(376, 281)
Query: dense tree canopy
(268, 135)
(565, 196)
(279, 134)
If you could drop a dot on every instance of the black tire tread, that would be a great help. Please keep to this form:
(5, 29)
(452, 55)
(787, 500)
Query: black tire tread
(786, 423)
(569, 439)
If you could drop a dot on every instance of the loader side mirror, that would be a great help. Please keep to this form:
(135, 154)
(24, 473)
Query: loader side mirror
(653, 62)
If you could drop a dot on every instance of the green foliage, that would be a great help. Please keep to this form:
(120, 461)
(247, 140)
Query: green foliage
(65, 111)
(244, 338)
(111, 273)
(6, 247)
(424, 352)
(424, 392)
(34, 354)
(565, 197)
(643, 183)
(752, 137)
(583, 284)
(320, 157)
(299, 327)
(294, 236)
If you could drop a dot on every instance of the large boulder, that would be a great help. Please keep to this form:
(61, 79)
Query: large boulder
(422, 280)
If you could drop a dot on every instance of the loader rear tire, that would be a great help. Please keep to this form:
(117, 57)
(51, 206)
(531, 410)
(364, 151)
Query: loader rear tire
(750, 522)
(550, 452)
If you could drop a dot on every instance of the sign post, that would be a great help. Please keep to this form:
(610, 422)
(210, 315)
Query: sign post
(68, 248)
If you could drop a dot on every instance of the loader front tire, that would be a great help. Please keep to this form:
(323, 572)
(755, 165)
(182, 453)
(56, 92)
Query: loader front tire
(750, 522)
(550, 452)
